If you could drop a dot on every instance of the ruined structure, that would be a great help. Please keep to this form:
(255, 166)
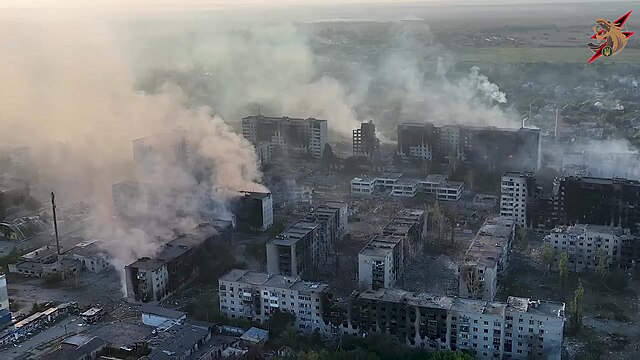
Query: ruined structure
(287, 135)
(253, 210)
(495, 148)
(365, 141)
(486, 259)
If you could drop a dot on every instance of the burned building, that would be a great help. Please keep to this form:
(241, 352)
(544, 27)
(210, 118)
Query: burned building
(255, 296)
(485, 329)
(486, 259)
(597, 201)
(411, 225)
(253, 210)
(175, 265)
(296, 250)
(381, 262)
(332, 217)
(495, 148)
(287, 135)
(365, 141)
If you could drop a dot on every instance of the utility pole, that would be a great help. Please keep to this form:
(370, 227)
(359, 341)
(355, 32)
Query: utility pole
(55, 221)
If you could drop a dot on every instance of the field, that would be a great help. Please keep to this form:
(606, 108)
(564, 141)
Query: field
(542, 54)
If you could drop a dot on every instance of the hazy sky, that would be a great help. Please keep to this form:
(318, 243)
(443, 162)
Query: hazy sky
(227, 3)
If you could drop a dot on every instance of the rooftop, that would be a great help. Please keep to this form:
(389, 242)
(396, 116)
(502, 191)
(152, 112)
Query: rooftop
(255, 194)
(364, 178)
(513, 304)
(89, 249)
(255, 335)
(177, 340)
(521, 174)
(185, 242)
(279, 119)
(147, 264)
(581, 229)
(161, 311)
(294, 233)
(489, 243)
(436, 178)
(275, 281)
(380, 245)
(452, 184)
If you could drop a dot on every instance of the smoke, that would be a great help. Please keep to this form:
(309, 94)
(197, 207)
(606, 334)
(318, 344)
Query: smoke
(70, 95)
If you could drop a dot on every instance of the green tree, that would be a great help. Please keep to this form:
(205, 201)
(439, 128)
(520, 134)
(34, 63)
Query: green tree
(563, 270)
(328, 157)
(279, 321)
(450, 355)
(575, 308)
(602, 263)
(548, 255)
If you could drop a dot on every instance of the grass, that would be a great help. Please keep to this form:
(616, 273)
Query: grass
(541, 54)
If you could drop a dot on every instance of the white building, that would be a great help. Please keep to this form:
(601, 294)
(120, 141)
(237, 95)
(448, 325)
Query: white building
(286, 134)
(381, 262)
(486, 259)
(263, 152)
(586, 244)
(92, 257)
(146, 280)
(405, 188)
(515, 190)
(5, 313)
(254, 296)
(363, 185)
(449, 191)
(157, 316)
(518, 329)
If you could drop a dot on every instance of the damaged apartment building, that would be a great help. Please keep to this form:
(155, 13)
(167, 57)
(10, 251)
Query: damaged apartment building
(382, 262)
(255, 296)
(486, 259)
(521, 328)
(495, 148)
(287, 136)
(308, 247)
(365, 141)
(253, 210)
(175, 265)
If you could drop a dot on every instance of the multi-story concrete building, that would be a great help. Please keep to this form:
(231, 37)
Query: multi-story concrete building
(599, 201)
(395, 185)
(365, 141)
(516, 193)
(287, 135)
(589, 246)
(518, 329)
(411, 225)
(263, 152)
(175, 265)
(5, 313)
(255, 296)
(486, 259)
(253, 210)
(381, 262)
(332, 217)
(515, 149)
(296, 251)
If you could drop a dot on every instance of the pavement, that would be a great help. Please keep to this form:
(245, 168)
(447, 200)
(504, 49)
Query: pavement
(28, 348)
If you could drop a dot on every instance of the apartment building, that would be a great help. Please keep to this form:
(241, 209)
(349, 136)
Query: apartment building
(517, 190)
(521, 328)
(255, 296)
(175, 264)
(365, 141)
(381, 262)
(332, 218)
(287, 135)
(496, 148)
(253, 210)
(486, 259)
(411, 225)
(263, 152)
(296, 251)
(5, 313)
(587, 246)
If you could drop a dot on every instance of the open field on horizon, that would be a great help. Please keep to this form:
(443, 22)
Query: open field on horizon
(542, 54)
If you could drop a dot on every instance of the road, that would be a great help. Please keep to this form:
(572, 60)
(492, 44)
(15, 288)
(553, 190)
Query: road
(612, 326)
(26, 348)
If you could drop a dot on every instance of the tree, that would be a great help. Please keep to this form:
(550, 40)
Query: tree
(450, 355)
(602, 263)
(328, 157)
(548, 255)
(452, 216)
(437, 216)
(575, 308)
(563, 270)
(279, 321)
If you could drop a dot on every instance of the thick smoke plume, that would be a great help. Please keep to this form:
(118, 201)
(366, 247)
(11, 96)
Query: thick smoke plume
(69, 94)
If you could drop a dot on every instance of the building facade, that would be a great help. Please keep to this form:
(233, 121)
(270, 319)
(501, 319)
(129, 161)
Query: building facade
(486, 259)
(295, 251)
(589, 246)
(411, 225)
(365, 141)
(521, 328)
(255, 296)
(395, 185)
(253, 210)
(495, 148)
(381, 262)
(517, 190)
(287, 135)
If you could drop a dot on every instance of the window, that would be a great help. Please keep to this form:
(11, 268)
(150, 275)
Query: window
(486, 331)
